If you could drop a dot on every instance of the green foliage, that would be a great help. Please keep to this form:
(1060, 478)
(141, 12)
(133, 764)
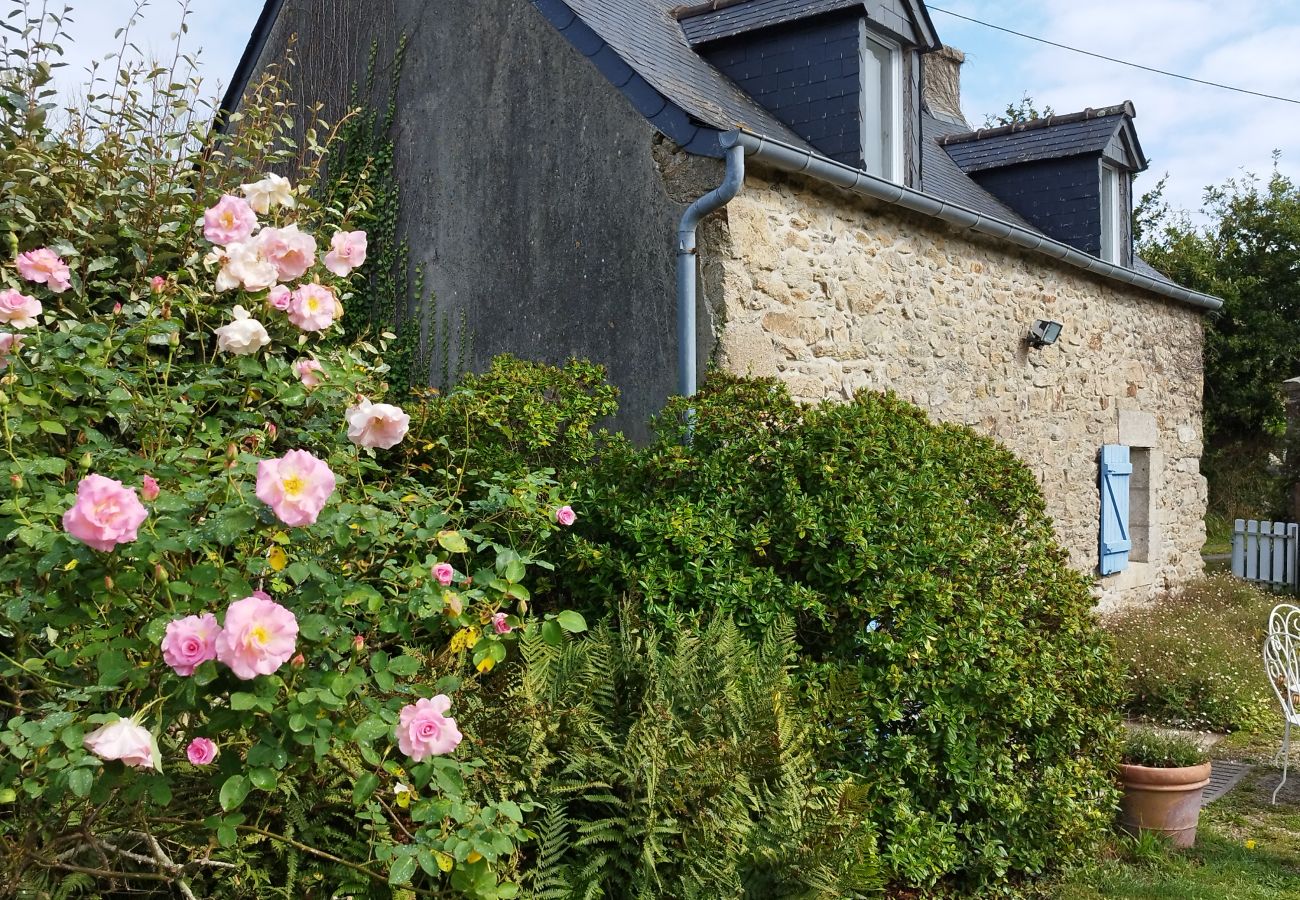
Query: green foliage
(1144, 747)
(937, 618)
(1018, 113)
(520, 415)
(1247, 254)
(677, 767)
(1192, 660)
(124, 378)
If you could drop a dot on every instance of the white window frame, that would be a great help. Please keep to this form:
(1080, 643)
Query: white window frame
(890, 166)
(1112, 201)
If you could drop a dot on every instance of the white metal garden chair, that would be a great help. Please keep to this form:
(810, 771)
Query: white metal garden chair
(1281, 649)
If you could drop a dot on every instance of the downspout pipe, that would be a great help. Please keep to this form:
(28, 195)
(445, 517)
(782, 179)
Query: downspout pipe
(687, 268)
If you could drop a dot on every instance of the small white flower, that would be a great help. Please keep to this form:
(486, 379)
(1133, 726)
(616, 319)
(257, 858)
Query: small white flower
(242, 337)
(273, 189)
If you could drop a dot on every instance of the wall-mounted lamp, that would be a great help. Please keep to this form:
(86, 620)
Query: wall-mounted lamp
(1044, 333)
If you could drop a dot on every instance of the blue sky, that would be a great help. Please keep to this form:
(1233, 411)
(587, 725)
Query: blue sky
(1199, 135)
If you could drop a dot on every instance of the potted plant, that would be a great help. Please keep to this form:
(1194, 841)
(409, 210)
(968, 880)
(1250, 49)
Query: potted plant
(1163, 780)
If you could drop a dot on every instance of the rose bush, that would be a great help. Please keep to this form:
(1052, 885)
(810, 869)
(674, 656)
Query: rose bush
(228, 632)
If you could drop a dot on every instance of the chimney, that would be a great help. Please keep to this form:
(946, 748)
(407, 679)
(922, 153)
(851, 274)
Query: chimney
(941, 85)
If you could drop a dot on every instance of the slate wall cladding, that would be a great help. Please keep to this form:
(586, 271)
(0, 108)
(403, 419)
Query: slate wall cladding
(833, 294)
(1060, 197)
(808, 75)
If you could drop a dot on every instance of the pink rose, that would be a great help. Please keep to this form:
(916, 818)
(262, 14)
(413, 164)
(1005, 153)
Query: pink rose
(44, 266)
(243, 336)
(280, 297)
(423, 729)
(125, 740)
(9, 345)
(500, 625)
(201, 752)
(444, 573)
(149, 488)
(313, 307)
(105, 513)
(379, 425)
(258, 637)
(296, 486)
(190, 642)
(18, 310)
(291, 251)
(565, 516)
(157, 284)
(244, 265)
(231, 221)
(347, 252)
(309, 372)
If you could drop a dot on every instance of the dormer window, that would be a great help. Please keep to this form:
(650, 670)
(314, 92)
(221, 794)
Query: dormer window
(1112, 216)
(882, 132)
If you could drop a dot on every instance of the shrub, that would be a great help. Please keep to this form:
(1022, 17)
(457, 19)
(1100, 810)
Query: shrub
(937, 618)
(1193, 659)
(1150, 748)
(147, 529)
(676, 767)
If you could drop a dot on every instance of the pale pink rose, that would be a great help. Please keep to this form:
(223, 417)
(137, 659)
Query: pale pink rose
(124, 740)
(244, 265)
(9, 345)
(232, 220)
(44, 266)
(291, 251)
(190, 642)
(105, 514)
(309, 372)
(296, 486)
(18, 310)
(262, 595)
(271, 189)
(313, 307)
(157, 284)
(379, 425)
(565, 516)
(444, 573)
(242, 337)
(280, 297)
(347, 252)
(424, 730)
(500, 625)
(258, 637)
(149, 488)
(201, 752)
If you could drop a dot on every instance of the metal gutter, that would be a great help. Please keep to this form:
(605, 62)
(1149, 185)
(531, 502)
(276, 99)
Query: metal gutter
(248, 62)
(782, 156)
(687, 269)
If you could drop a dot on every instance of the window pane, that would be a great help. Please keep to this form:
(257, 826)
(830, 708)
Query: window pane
(1111, 223)
(878, 107)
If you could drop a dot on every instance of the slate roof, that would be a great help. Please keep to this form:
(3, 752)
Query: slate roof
(1052, 137)
(942, 177)
(731, 20)
(640, 47)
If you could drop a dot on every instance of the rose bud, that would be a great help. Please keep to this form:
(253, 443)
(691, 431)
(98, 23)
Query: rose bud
(298, 661)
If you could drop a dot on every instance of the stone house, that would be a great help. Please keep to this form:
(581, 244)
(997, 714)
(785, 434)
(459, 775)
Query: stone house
(864, 235)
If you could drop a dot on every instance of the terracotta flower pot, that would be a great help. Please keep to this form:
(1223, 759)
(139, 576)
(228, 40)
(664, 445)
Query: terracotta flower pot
(1166, 801)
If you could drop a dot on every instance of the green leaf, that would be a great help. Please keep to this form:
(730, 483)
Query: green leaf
(404, 666)
(365, 786)
(402, 871)
(51, 427)
(552, 633)
(453, 542)
(263, 779)
(571, 621)
(371, 729)
(242, 700)
(99, 263)
(80, 782)
(233, 792)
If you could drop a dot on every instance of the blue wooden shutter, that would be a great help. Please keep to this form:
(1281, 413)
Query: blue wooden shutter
(1115, 543)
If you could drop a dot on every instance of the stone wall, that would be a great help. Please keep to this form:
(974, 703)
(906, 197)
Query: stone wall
(834, 294)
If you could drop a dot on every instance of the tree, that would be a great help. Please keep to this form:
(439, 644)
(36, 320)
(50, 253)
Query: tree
(1248, 253)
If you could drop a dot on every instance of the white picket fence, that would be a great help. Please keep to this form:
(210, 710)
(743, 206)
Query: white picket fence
(1266, 552)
